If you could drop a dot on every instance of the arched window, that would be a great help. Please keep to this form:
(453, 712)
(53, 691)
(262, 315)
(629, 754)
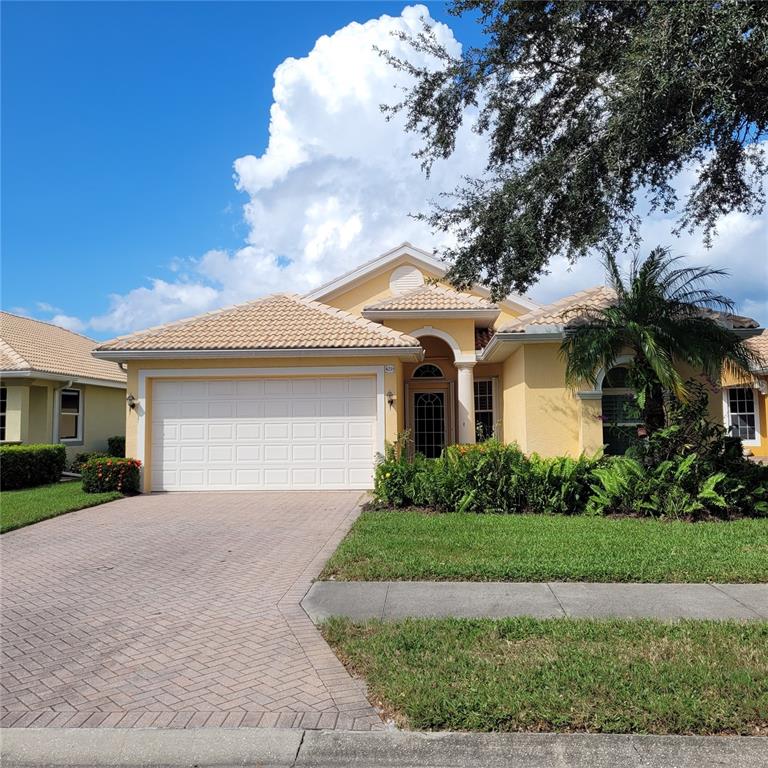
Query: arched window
(428, 371)
(621, 415)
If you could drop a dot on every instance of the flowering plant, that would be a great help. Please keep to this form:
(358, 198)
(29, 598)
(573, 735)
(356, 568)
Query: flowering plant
(111, 474)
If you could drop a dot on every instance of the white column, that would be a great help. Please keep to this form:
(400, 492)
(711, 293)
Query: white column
(467, 432)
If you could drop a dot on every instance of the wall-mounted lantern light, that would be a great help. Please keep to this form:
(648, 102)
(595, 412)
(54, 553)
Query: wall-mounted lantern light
(131, 400)
(390, 398)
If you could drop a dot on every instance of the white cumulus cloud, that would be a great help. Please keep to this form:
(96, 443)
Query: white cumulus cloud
(336, 184)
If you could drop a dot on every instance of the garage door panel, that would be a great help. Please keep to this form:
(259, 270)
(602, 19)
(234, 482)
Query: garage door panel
(276, 452)
(248, 453)
(249, 409)
(333, 452)
(358, 387)
(276, 477)
(277, 430)
(221, 453)
(221, 389)
(221, 431)
(249, 388)
(363, 430)
(305, 409)
(304, 431)
(192, 453)
(269, 433)
(333, 408)
(248, 431)
(332, 430)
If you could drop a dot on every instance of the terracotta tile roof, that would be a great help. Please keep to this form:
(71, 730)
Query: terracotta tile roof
(430, 297)
(564, 312)
(32, 345)
(280, 321)
(561, 311)
(759, 344)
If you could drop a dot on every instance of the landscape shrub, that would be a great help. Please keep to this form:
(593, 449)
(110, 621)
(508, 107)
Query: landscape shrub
(489, 477)
(116, 446)
(111, 474)
(494, 478)
(24, 466)
(82, 458)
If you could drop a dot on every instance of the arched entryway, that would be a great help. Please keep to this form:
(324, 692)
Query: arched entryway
(431, 392)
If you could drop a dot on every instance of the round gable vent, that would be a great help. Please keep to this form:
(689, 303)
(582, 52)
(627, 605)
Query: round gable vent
(405, 279)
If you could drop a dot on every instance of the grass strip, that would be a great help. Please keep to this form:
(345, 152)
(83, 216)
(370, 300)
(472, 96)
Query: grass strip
(30, 505)
(413, 545)
(620, 676)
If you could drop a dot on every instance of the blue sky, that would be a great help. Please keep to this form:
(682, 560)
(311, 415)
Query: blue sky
(123, 124)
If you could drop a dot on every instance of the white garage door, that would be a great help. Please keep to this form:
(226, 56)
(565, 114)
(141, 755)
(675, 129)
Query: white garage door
(243, 434)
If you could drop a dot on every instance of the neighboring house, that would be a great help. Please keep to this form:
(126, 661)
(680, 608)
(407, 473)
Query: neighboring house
(303, 391)
(52, 390)
(745, 403)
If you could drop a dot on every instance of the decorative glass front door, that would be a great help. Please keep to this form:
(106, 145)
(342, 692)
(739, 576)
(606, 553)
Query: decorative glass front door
(429, 423)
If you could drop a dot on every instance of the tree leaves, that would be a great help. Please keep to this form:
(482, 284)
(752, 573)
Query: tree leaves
(585, 105)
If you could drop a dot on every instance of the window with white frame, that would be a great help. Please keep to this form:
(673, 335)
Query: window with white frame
(3, 409)
(70, 414)
(741, 414)
(485, 420)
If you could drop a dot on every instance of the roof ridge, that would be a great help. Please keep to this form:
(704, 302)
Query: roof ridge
(48, 323)
(357, 320)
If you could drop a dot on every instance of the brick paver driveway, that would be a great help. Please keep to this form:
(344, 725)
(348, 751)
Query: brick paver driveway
(175, 610)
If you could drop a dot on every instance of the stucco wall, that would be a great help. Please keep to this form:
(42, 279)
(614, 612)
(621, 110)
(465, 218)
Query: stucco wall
(513, 398)
(104, 417)
(40, 414)
(552, 411)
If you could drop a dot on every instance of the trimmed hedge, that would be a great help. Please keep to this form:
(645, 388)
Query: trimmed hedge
(111, 474)
(116, 446)
(24, 466)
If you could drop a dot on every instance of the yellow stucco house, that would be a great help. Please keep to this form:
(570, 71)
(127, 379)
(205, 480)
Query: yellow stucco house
(52, 390)
(303, 391)
(745, 403)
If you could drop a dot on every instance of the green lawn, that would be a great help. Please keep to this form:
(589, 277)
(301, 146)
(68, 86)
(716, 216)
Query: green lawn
(689, 677)
(30, 505)
(411, 546)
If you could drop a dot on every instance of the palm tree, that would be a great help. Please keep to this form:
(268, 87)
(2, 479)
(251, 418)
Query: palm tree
(663, 315)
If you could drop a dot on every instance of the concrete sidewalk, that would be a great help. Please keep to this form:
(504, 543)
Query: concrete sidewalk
(278, 748)
(401, 599)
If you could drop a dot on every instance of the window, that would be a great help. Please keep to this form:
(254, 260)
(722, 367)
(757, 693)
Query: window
(485, 422)
(428, 371)
(741, 419)
(3, 409)
(621, 416)
(70, 414)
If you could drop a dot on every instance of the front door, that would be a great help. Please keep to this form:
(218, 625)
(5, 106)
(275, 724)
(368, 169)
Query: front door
(430, 413)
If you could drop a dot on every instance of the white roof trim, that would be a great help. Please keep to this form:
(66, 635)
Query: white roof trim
(483, 315)
(418, 255)
(172, 354)
(34, 374)
(502, 343)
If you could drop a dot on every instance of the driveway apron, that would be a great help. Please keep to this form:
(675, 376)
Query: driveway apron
(176, 610)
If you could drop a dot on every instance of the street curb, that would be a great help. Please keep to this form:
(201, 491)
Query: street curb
(287, 748)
